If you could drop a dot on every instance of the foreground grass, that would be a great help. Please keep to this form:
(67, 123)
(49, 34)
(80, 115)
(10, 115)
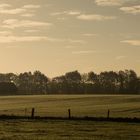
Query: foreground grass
(67, 130)
(80, 105)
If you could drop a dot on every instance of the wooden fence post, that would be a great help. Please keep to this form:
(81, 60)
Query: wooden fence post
(33, 113)
(108, 114)
(25, 112)
(69, 113)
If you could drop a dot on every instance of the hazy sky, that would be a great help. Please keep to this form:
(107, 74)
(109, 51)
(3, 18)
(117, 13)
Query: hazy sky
(57, 36)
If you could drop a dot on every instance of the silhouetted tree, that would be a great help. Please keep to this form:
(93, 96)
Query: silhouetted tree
(7, 88)
(73, 76)
(39, 82)
(107, 82)
(24, 82)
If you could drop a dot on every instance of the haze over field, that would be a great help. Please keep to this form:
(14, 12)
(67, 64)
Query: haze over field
(56, 36)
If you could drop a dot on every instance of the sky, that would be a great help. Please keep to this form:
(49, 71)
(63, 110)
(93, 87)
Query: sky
(58, 36)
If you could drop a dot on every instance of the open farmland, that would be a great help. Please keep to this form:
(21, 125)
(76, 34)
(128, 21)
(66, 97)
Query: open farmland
(80, 105)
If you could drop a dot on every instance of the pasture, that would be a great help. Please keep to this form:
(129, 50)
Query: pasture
(67, 130)
(80, 105)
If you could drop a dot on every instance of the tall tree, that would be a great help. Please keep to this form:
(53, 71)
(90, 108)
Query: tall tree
(73, 76)
(40, 82)
(109, 81)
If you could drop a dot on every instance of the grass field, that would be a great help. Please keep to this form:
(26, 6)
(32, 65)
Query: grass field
(80, 105)
(67, 130)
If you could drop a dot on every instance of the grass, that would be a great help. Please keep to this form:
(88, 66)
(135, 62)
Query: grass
(67, 130)
(80, 105)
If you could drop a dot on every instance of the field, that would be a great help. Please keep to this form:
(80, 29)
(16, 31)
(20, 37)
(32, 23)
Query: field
(80, 105)
(67, 130)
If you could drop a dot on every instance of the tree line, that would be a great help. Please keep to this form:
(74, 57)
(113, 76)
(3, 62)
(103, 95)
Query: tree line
(107, 82)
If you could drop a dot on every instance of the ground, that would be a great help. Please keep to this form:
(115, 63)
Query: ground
(80, 105)
(67, 130)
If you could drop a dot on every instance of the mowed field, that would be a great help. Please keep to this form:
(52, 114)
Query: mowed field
(80, 105)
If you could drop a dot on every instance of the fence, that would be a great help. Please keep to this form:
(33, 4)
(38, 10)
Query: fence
(33, 115)
(32, 112)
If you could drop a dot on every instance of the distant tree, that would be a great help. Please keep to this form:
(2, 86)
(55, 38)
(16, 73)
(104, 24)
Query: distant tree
(35, 83)
(8, 77)
(73, 76)
(74, 82)
(129, 82)
(84, 78)
(122, 78)
(93, 85)
(59, 79)
(24, 82)
(7, 88)
(138, 85)
(122, 82)
(40, 82)
(69, 83)
(109, 81)
(59, 85)
(132, 81)
(92, 77)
